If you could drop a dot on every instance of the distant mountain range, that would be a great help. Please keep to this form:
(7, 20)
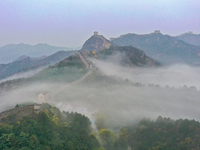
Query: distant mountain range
(11, 52)
(164, 48)
(190, 38)
(25, 63)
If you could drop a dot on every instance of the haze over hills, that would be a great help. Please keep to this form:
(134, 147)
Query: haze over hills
(11, 52)
(190, 38)
(164, 48)
(24, 64)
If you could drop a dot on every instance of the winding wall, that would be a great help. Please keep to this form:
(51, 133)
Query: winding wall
(65, 87)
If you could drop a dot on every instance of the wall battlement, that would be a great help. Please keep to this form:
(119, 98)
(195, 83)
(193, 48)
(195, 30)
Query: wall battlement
(23, 111)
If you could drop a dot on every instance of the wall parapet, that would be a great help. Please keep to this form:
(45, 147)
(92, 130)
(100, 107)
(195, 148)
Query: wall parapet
(33, 108)
(84, 60)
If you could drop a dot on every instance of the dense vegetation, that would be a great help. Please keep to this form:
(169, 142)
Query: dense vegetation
(52, 129)
(164, 133)
(49, 130)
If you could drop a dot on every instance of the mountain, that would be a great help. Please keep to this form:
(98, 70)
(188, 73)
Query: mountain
(11, 52)
(164, 48)
(25, 63)
(96, 42)
(126, 56)
(190, 38)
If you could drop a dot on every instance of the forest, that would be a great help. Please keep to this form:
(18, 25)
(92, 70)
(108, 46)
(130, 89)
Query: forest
(52, 129)
(48, 130)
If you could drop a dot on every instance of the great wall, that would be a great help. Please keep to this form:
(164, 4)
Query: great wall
(28, 110)
(91, 69)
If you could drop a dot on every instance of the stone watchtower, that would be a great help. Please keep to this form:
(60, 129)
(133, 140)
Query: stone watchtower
(95, 33)
(157, 31)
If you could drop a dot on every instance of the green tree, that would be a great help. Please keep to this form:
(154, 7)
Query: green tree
(108, 139)
(100, 121)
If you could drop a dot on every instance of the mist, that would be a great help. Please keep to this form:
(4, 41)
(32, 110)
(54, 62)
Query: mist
(24, 74)
(176, 75)
(122, 102)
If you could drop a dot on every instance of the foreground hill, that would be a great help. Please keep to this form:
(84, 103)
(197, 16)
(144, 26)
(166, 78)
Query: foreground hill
(190, 38)
(164, 48)
(126, 56)
(27, 63)
(50, 129)
(11, 52)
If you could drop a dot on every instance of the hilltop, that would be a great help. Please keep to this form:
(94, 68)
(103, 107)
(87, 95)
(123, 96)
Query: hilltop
(96, 42)
(164, 48)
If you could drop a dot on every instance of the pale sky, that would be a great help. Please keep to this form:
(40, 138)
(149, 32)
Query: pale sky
(71, 22)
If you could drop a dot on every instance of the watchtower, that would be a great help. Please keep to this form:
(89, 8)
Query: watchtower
(157, 31)
(95, 33)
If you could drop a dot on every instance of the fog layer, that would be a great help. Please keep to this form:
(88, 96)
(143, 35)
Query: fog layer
(123, 102)
(174, 76)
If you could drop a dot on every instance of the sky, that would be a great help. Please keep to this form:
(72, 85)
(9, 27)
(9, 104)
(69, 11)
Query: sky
(70, 23)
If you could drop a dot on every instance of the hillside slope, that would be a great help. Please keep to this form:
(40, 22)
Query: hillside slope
(164, 48)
